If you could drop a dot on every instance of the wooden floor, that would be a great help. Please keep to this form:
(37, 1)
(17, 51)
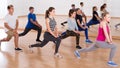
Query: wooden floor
(44, 57)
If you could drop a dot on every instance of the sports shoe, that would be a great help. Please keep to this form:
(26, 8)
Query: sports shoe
(62, 24)
(58, 55)
(78, 47)
(88, 41)
(18, 49)
(111, 63)
(38, 40)
(77, 54)
(116, 27)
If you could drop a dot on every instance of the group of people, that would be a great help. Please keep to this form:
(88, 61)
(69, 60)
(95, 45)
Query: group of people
(76, 23)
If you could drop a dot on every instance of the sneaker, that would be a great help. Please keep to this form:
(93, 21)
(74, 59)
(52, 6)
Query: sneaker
(62, 24)
(78, 47)
(111, 63)
(116, 27)
(88, 41)
(77, 54)
(58, 55)
(18, 49)
(38, 40)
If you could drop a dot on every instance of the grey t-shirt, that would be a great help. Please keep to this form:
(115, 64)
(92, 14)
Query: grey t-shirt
(72, 25)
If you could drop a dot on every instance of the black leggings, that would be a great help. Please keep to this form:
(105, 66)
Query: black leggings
(48, 37)
(34, 28)
(70, 33)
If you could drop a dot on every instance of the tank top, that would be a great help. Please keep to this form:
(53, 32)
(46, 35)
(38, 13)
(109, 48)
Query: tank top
(52, 23)
(101, 35)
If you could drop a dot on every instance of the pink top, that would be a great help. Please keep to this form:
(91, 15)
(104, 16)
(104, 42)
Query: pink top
(101, 35)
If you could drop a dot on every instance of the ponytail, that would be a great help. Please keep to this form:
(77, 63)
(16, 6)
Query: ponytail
(48, 12)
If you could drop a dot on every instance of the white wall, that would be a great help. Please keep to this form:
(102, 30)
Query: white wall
(3, 10)
(114, 7)
(62, 6)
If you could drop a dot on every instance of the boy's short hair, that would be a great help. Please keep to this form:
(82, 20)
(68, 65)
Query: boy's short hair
(9, 6)
(73, 5)
(31, 8)
(81, 3)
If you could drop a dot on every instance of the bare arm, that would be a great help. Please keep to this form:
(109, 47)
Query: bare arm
(35, 23)
(17, 23)
(110, 35)
(84, 21)
(98, 18)
(56, 31)
(7, 26)
(79, 23)
(38, 24)
(106, 33)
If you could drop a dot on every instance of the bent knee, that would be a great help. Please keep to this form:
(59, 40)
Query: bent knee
(114, 46)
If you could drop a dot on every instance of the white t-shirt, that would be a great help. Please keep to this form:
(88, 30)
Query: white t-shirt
(82, 8)
(11, 21)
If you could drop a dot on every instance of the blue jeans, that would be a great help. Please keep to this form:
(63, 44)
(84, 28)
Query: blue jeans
(86, 31)
(92, 22)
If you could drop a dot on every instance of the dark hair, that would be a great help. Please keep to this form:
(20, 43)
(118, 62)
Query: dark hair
(101, 8)
(94, 8)
(71, 11)
(104, 4)
(77, 9)
(9, 6)
(104, 14)
(31, 8)
(73, 5)
(81, 3)
(48, 11)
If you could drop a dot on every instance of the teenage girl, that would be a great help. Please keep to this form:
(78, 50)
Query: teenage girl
(104, 33)
(51, 33)
(72, 28)
(95, 19)
(82, 24)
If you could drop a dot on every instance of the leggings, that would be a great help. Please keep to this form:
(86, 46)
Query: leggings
(34, 28)
(48, 37)
(70, 33)
(117, 25)
(101, 44)
(92, 22)
(85, 30)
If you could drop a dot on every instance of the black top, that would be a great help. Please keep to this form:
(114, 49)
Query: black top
(94, 18)
(79, 17)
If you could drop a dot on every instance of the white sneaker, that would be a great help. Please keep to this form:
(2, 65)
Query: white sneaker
(58, 55)
(113, 64)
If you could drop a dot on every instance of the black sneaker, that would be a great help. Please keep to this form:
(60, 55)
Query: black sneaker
(78, 47)
(62, 24)
(38, 40)
(18, 49)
